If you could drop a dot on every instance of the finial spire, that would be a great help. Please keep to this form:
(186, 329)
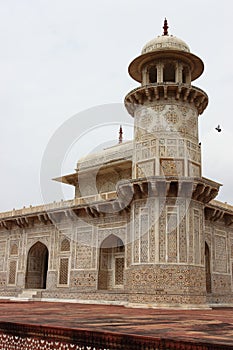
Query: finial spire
(120, 134)
(165, 27)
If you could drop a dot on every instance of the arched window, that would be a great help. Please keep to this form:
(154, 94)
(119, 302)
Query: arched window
(14, 249)
(153, 75)
(169, 73)
(65, 245)
(184, 76)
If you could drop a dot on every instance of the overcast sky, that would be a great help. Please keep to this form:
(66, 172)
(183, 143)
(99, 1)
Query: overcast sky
(61, 57)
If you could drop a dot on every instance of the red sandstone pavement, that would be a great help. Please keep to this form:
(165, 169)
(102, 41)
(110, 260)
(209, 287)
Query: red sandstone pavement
(214, 326)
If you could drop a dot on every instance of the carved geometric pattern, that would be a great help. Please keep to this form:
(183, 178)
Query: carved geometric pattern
(194, 170)
(162, 233)
(12, 272)
(182, 232)
(193, 152)
(2, 254)
(158, 108)
(14, 249)
(172, 236)
(162, 151)
(152, 222)
(164, 278)
(135, 240)
(171, 151)
(145, 169)
(220, 254)
(2, 260)
(83, 256)
(144, 229)
(10, 342)
(64, 269)
(144, 249)
(171, 117)
(196, 236)
(172, 167)
(184, 110)
(65, 245)
(145, 150)
(119, 271)
(136, 250)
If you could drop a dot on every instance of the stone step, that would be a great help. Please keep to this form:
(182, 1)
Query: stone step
(28, 292)
(26, 295)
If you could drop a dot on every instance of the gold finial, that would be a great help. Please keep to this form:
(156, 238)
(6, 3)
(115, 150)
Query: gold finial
(165, 27)
(120, 134)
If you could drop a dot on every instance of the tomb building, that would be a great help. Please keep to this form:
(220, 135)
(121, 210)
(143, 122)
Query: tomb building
(144, 227)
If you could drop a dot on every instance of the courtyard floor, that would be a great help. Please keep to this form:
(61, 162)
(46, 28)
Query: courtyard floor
(212, 326)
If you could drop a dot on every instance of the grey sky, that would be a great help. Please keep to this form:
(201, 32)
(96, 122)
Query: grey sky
(59, 57)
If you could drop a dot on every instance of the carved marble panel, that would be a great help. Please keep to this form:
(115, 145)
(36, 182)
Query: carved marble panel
(196, 236)
(220, 253)
(172, 167)
(194, 169)
(145, 169)
(171, 236)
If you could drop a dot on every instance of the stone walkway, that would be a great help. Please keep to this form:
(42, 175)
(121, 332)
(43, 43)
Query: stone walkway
(212, 326)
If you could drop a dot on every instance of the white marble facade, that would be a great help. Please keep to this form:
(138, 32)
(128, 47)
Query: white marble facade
(149, 232)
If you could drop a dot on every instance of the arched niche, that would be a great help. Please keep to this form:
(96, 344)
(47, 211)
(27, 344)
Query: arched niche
(111, 263)
(169, 72)
(152, 74)
(65, 245)
(37, 266)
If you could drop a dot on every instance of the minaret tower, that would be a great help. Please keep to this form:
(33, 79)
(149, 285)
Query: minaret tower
(168, 240)
(166, 108)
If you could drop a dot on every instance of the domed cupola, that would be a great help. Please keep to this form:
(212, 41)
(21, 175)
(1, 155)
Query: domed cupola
(166, 59)
(166, 69)
(165, 42)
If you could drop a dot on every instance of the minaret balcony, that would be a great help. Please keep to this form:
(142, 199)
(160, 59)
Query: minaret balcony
(165, 91)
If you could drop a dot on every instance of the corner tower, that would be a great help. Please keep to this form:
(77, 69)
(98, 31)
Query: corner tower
(166, 108)
(167, 213)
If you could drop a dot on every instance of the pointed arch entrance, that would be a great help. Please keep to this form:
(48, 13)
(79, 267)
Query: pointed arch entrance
(37, 267)
(111, 263)
(207, 269)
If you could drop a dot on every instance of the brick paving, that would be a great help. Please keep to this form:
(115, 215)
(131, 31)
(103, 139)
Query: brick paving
(212, 326)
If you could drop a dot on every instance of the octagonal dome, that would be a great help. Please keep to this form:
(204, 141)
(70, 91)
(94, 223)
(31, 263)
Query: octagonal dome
(165, 42)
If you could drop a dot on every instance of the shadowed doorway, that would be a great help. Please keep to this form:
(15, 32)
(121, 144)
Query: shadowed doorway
(37, 267)
(111, 263)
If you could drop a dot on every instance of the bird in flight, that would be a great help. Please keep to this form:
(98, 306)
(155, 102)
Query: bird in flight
(218, 128)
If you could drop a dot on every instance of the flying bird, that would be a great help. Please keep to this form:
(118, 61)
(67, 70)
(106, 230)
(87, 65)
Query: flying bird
(218, 128)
